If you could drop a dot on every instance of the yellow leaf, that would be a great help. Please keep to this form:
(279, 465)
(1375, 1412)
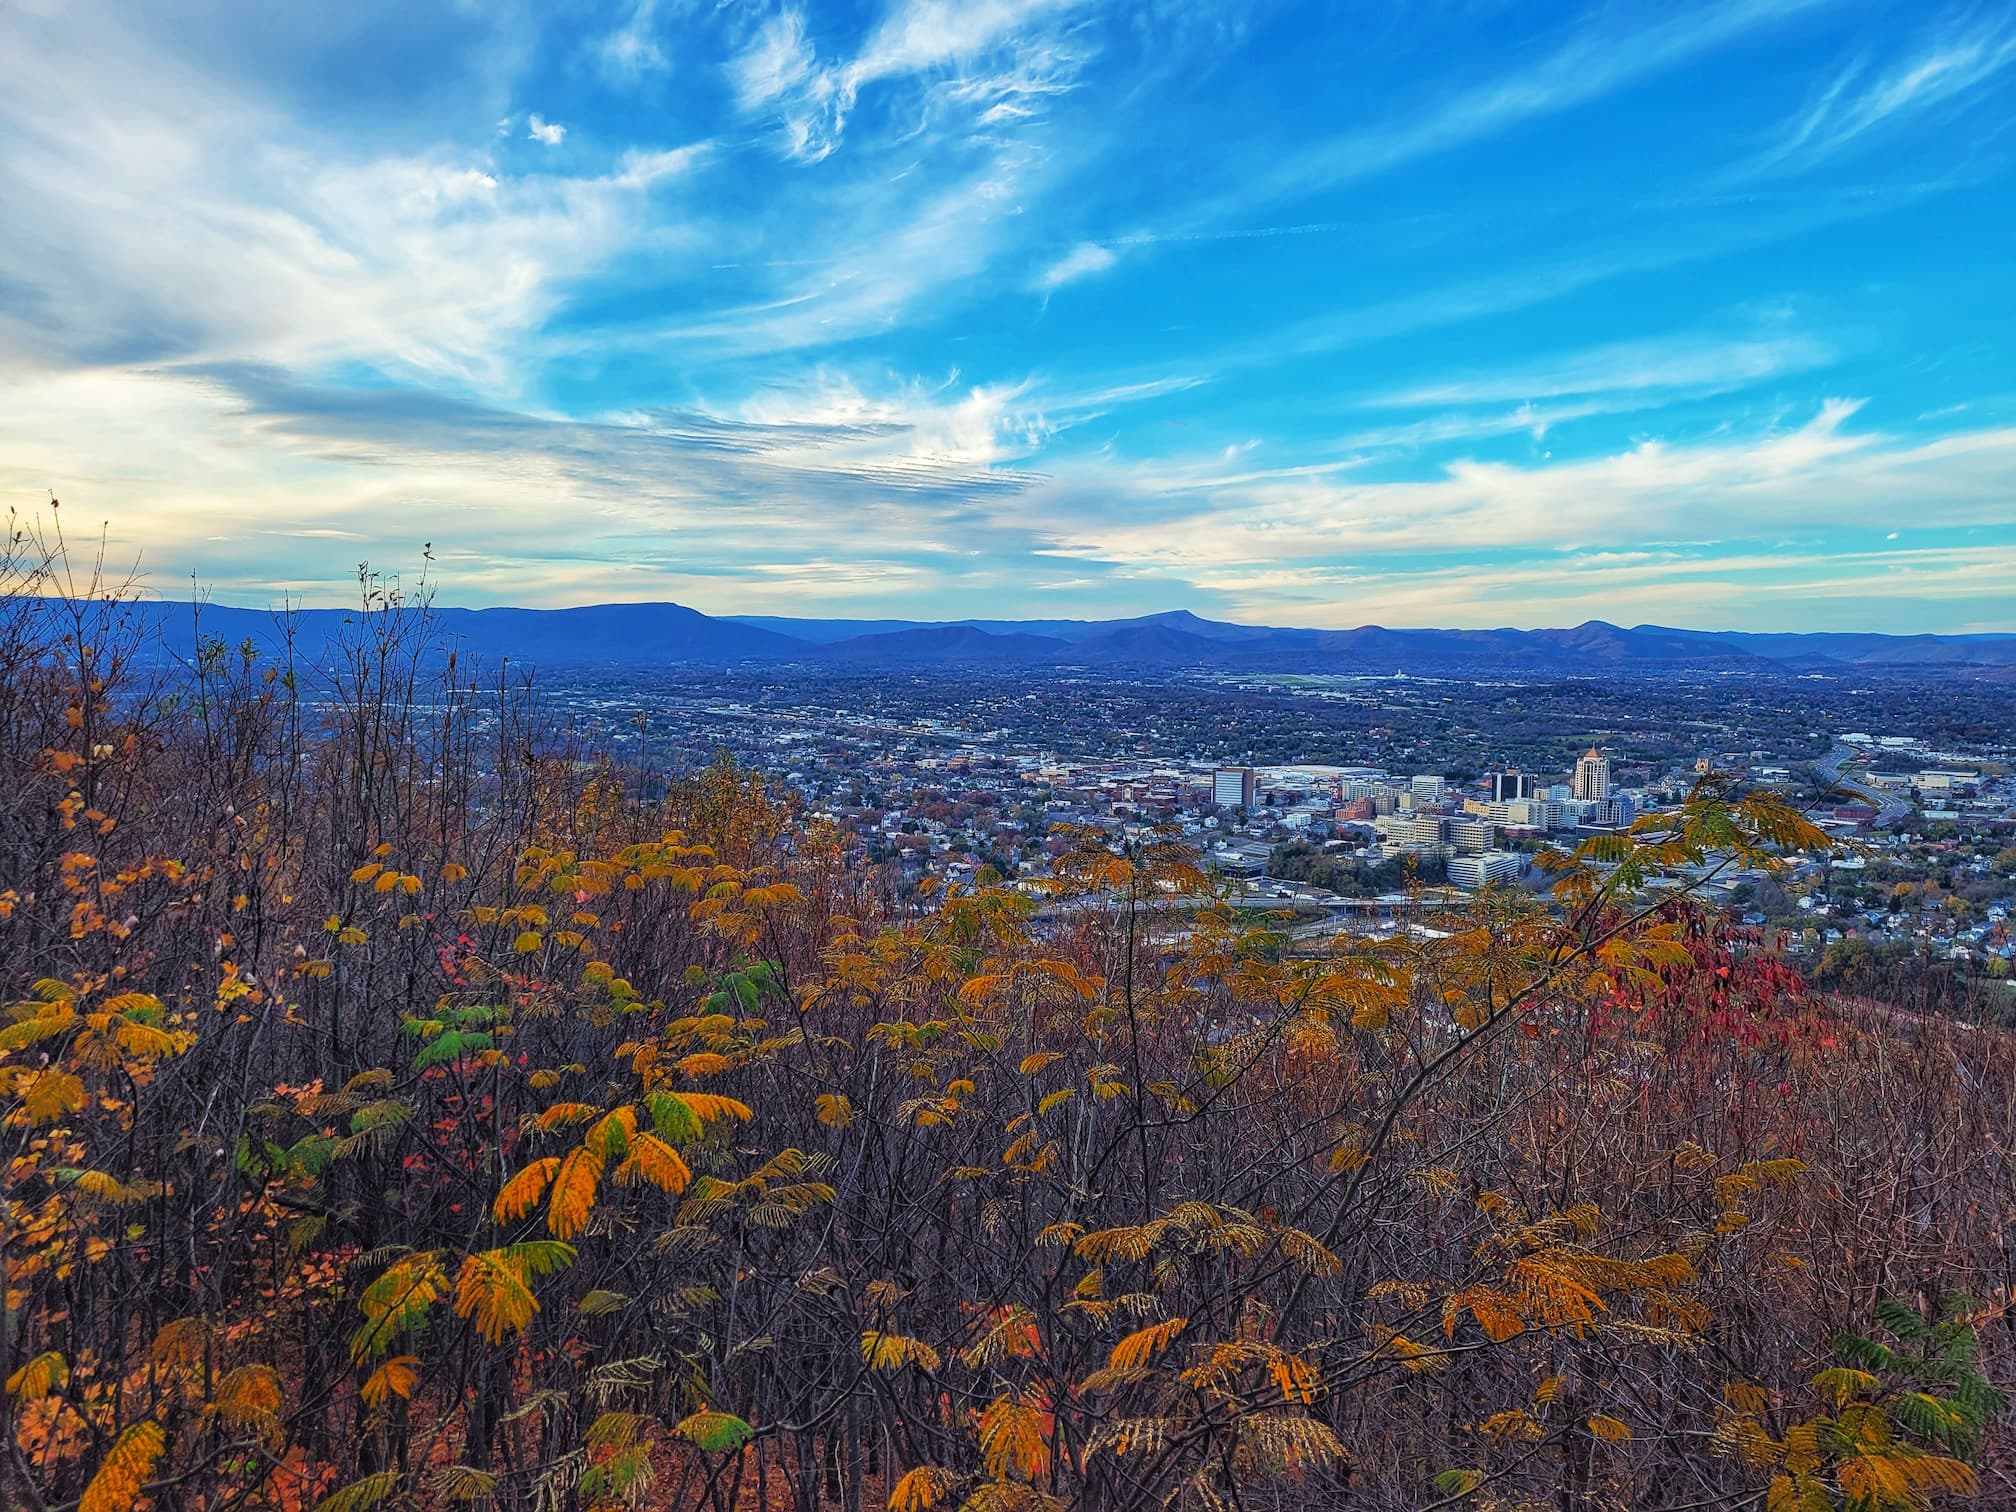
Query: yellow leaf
(522, 1192)
(1514, 1425)
(1295, 1378)
(880, 1351)
(116, 1486)
(834, 1109)
(1746, 1396)
(528, 942)
(1610, 1430)
(921, 1489)
(39, 1376)
(714, 1431)
(656, 1162)
(396, 1377)
(495, 1294)
(51, 1095)
(249, 1394)
(1139, 1347)
(574, 1191)
(1011, 1439)
(397, 1302)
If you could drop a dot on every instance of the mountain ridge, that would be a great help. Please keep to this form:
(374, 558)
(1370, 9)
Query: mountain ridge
(666, 633)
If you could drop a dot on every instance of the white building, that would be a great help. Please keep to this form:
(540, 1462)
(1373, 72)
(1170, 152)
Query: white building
(1469, 835)
(1485, 868)
(1538, 813)
(1234, 787)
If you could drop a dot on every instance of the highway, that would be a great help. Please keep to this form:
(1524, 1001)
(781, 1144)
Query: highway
(1827, 772)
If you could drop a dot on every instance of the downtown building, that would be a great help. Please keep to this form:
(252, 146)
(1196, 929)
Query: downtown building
(1592, 777)
(1235, 787)
(1486, 867)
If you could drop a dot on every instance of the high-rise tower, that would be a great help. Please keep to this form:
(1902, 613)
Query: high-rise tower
(1592, 776)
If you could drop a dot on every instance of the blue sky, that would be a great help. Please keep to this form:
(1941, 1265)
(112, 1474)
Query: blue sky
(1400, 311)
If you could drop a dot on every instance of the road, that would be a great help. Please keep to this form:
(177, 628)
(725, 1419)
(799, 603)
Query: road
(1827, 772)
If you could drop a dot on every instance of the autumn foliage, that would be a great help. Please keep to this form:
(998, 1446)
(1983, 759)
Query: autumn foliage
(406, 1108)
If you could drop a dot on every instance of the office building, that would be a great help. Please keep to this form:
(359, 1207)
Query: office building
(1234, 787)
(1472, 834)
(1592, 777)
(1485, 868)
(1538, 813)
(1416, 830)
(1616, 812)
(1239, 858)
(1507, 786)
(1427, 787)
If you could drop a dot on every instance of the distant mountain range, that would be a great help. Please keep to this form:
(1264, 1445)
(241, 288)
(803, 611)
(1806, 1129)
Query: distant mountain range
(648, 635)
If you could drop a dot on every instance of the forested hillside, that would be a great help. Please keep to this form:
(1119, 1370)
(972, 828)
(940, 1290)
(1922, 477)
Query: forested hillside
(401, 1111)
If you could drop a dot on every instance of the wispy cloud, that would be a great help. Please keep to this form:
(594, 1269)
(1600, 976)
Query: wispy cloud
(633, 51)
(1531, 419)
(1866, 97)
(1695, 364)
(1696, 239)
(822, 468)
(999, 59)
(1600, 59)
(1082, 261)
(216, 227)
(1820, 475)
(1954, 586)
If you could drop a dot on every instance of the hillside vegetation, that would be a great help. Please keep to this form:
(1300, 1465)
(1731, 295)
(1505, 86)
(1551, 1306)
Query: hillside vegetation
(401, 1111)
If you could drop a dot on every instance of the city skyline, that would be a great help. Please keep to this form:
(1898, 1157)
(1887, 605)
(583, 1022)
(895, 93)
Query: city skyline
(1028, 308)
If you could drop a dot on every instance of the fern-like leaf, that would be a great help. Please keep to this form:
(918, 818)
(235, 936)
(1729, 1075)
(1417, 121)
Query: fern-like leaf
(652, 1159)
(715, 1432)
(126, 1466)
(361, 1495)
(1141, 1346)
(574, 1185)
(522, 1192)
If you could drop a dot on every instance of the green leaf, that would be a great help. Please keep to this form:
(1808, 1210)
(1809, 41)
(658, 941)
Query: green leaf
(673, 1120)
(361, 1495)
(541, 1257)
(715, 1432)
(1459, 1482)
(450, 1046)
